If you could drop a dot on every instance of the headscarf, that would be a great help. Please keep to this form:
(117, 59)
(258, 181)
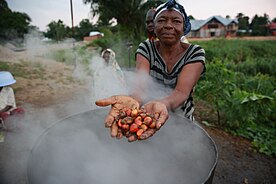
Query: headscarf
(172, 4)
(112, 57)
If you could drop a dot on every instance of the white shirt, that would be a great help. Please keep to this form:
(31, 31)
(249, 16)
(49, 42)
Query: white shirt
(7, 98)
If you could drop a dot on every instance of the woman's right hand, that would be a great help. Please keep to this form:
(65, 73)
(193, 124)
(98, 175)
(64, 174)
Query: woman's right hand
(118, 104)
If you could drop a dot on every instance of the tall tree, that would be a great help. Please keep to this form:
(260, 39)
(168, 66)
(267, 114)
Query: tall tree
(83, 29)
(259, 25)
(130, 14)
(12, 24)
(4, 6)
(243, 21)
(57, 30)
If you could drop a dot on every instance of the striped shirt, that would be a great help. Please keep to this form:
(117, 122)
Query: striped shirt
(158, 69)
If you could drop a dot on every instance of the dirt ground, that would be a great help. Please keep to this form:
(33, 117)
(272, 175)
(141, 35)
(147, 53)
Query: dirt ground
(57, 93)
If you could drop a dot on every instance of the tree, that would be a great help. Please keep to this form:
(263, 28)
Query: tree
(84, 28)
(243, 21)
(4, 6)
(13, 24)
(130, 15)
(57, 30)
(258, 25)
(191, 17)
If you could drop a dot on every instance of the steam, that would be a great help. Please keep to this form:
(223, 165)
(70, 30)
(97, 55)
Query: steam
(79, 149)
(106, 80)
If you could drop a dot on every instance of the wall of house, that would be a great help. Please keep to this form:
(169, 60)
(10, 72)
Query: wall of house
(91, 38)
(214, 29)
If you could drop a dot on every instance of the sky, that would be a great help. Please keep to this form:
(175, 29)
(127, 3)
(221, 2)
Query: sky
(43, 12)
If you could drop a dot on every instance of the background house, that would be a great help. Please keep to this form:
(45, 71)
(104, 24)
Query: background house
(93, 35)
(215, 26)
(272, 28)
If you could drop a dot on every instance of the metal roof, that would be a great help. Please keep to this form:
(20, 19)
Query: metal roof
(197, 24)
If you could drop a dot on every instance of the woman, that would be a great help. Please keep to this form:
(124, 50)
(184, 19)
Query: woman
(169, 61)
(109, 57)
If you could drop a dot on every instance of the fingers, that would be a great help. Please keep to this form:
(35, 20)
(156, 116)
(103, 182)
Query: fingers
(147, 134)
(119, 134)
(106, 101)
(108, 121)
(163, 116)
(132, 138)
(114, 130)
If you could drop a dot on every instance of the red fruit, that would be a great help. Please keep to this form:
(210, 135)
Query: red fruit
(147, 120)
(119, 122)
(134, 113)
(144, 127)
(138, 122)
(139, 132)
(125, 126)
(128, 120)
(153, 124)
(133, 128)
(138, 118)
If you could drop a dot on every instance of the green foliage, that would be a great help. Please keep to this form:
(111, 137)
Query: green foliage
(56, 30)
(13, 24)
(242, 92)
(84, 28)
(243, 21)
(130, 15)
(236, 51)
(63, 55)
(19, 69)
(258, 25)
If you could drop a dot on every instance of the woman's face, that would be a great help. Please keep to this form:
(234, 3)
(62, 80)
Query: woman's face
(169, 26)
(106, 57)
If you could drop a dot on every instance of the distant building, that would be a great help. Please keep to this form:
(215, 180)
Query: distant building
(272, 28)
(215, 26)
(93, 35)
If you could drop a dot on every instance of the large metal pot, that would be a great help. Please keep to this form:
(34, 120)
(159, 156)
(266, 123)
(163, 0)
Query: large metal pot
(79, 150)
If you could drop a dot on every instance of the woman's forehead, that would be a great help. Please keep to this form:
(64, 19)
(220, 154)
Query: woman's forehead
(170, 13)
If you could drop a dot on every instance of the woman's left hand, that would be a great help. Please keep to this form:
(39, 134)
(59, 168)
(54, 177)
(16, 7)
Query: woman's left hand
(161, 114)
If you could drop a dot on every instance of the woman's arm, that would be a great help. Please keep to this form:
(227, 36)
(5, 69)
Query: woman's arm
(186, 80)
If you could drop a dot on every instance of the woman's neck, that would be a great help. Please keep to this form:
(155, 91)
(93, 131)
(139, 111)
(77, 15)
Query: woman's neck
(171, 53)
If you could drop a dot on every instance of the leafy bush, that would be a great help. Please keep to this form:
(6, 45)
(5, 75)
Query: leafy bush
(241, 89)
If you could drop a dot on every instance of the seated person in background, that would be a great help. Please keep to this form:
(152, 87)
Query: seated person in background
(108, 78)
(109, 57)
(7, 99)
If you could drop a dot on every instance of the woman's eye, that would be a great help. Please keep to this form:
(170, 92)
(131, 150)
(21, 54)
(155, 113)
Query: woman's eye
(161, 20)
(177, 21)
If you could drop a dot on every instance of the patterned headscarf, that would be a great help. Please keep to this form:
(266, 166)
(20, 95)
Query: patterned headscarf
(172, 4)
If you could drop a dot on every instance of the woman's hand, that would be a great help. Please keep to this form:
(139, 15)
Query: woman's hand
(161, 114)
(118, 103)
